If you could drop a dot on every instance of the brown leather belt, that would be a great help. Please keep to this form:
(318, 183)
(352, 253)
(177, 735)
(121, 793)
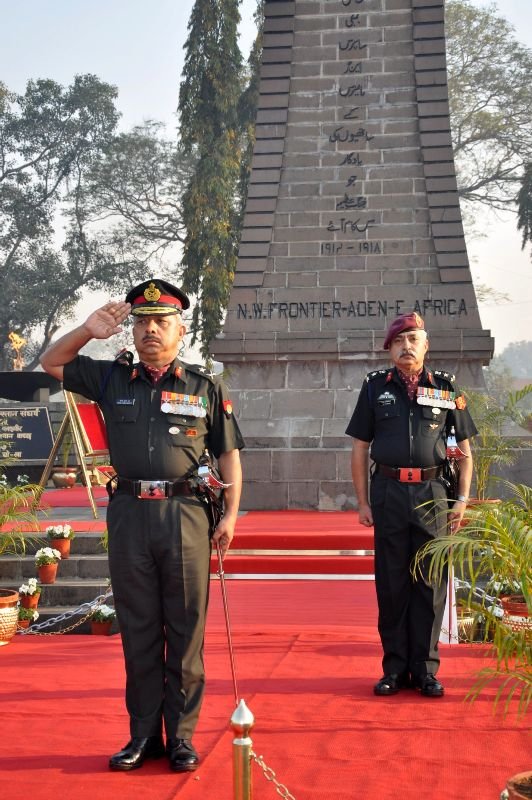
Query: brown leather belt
(409, 474)
(154, 489)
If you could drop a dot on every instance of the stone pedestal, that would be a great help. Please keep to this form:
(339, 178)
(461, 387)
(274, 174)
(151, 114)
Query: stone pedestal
(352, 218)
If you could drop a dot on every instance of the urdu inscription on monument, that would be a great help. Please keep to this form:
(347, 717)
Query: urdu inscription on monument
(352, 218)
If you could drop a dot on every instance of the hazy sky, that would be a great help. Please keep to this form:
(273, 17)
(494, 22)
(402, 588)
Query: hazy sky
(137, 46)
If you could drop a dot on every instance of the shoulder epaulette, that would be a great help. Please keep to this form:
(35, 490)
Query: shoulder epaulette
(201, 369)
(375, 374)
(448, 376)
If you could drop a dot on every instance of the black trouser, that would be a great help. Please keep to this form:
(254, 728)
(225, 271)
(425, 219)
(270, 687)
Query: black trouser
(410, 609)
(159, 559)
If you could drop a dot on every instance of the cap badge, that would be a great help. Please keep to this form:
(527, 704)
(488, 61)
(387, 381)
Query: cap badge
(152, 293)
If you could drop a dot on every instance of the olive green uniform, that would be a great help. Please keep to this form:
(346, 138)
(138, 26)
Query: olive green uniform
(159, 549)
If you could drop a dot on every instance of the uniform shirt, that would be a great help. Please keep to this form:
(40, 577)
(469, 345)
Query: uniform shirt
(405, 433)
(145, 441)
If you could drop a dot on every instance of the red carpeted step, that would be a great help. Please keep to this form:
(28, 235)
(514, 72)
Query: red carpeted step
(310, 540)
(294, 565)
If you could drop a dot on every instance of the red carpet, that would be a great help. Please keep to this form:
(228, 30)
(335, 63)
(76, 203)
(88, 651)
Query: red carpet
(307, 656)
(76, 497)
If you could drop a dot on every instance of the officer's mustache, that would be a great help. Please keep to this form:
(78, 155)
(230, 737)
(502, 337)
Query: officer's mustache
(150, 338)
(408, 353)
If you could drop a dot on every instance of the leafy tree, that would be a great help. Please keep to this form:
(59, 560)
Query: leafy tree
(48, 140)
(61, 163)
(490, 97)
(209, 132)
(517, 357)
(524, 202)
(134, 191)
(247, 109)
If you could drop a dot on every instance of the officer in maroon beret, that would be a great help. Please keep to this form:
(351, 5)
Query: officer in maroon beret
(161, 416)
(403, 418)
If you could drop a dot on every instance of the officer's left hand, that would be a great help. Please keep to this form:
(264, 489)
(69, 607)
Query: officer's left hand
(456, 514)
(224, 534)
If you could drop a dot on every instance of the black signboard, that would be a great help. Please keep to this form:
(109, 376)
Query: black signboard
(25, 433)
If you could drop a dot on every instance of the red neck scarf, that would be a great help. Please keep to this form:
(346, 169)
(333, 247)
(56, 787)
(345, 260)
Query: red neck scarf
(411, 382)
(155, 373)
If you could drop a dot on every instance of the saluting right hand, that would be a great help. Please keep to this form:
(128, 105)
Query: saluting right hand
(106, 321)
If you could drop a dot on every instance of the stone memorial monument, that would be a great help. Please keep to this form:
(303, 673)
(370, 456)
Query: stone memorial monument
(352, 218)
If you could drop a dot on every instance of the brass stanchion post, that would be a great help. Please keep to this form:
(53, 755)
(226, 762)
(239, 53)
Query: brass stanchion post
(242, 722)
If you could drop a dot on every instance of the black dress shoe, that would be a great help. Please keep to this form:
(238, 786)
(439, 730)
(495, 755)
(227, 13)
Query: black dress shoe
(182, 755)
(390, 684)
(136, 752)
(428, 685)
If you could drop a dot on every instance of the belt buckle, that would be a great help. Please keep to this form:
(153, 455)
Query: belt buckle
(152, 490)
(410, 474)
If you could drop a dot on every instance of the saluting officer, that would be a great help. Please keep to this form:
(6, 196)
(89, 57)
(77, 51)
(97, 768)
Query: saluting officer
(405, 413)
(161, 414)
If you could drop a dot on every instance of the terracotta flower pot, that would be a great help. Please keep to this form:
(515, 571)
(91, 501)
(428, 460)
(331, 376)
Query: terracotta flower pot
(30, 600)
(24, 623)
(515, 612)
(514, 605)
(47, 573)
(8, 615)
(519, 787)
(101, 628)
(63, 545)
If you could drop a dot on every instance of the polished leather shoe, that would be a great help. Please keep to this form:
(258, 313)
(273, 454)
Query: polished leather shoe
(428, 685)
(390, 684)
(136, 752)
(182, 755)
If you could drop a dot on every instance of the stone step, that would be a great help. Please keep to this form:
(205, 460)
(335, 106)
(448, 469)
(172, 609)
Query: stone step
(65, 593)
(84, 543)
(89, 567)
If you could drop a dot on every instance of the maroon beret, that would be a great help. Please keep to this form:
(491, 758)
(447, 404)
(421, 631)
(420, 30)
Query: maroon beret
(406, 322)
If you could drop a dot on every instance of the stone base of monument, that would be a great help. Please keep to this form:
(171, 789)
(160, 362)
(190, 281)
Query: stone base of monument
(293, 415)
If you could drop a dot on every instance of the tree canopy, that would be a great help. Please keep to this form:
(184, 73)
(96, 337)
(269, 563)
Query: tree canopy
(490, 97)
(81, 208)
(210, 133)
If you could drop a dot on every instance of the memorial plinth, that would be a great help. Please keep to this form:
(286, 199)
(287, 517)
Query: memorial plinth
(28, 387)
(352, 218)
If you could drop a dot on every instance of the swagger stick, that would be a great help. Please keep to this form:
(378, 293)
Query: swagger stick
(221, 575)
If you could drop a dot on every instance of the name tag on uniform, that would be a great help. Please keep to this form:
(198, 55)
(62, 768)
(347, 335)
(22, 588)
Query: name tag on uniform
(189, 405)
(438, 398)
(126, 401)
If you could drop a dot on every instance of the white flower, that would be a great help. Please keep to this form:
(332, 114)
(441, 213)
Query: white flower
(35, 616)
(59, 531)
(104, 612)
(24, 589)
(47, 555)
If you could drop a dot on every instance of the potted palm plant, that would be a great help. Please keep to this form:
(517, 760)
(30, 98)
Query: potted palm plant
(495, 547)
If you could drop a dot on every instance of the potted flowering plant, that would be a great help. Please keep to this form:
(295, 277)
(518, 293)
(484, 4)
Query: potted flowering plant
(46, 561)
(26, 616)
(102, 619)
(30, 593)
(61, 536)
